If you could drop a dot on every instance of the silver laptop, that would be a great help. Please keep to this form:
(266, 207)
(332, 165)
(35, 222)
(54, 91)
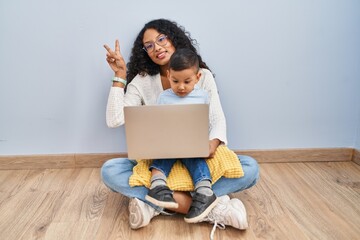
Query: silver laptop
(167, 131)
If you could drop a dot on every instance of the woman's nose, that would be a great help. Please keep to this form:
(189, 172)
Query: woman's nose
(157, 47)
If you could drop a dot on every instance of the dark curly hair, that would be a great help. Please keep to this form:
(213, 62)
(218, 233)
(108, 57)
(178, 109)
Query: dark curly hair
(140, 62)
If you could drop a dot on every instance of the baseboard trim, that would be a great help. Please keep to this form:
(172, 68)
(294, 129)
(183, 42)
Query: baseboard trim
(89, 160)
(93, 160)
(356, 156)
(300, 155)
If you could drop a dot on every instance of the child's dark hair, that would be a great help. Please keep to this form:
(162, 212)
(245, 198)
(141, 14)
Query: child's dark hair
(140, 62)
(184, 59)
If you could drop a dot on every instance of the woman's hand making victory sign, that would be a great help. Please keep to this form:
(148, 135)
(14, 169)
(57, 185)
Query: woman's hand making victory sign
(116, 61)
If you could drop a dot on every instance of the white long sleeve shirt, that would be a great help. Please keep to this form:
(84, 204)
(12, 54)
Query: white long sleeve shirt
(145, 90)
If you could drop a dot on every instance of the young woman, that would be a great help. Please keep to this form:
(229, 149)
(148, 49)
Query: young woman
(140, 83)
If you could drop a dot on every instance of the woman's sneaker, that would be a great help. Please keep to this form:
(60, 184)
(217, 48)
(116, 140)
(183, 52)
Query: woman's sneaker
(228, 213)
(140, 213)
(200, 207)
(162, 196)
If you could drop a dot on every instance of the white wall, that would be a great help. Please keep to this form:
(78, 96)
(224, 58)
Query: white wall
(288, 71)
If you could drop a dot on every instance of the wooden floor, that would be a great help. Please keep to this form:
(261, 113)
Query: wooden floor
(291, 201)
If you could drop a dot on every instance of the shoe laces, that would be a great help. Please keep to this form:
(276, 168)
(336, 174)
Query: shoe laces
(217, 219)
(216, 224)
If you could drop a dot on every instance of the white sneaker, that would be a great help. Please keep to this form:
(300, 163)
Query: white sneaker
(227, 213)
(140, 213)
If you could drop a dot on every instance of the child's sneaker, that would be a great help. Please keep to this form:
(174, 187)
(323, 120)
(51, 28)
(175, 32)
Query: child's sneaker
(162, 196)
(140, 213)
(200, 207)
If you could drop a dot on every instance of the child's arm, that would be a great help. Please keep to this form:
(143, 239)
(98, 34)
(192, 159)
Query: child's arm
(213, 144)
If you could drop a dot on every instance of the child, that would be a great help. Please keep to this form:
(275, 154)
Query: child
(183, 74)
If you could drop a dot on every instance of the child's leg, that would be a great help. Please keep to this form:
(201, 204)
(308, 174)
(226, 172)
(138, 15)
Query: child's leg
(204, 187)
(157, 178)
(200, 174)
(159, 193)
(160, 170)
(204, 199)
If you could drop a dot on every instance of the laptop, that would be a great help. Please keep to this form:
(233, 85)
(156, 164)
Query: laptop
(167, 131)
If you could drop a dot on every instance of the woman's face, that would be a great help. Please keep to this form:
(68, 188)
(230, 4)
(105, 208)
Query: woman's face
(159, 48)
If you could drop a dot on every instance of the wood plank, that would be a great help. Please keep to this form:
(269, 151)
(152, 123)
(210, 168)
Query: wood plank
(16, 215)
(317, 200)
(340, 187)
(311, 209)
(80, 215)
(116, 214)
(267, 215)
(84, 199)
(36, 226)
(10, 178)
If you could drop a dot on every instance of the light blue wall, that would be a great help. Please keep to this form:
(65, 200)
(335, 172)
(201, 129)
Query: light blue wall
(288, 72)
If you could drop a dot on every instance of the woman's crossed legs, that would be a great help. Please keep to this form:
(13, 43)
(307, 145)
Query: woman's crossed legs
(116, 172)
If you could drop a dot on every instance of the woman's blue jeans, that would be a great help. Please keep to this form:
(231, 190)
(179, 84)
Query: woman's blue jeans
(197, 168)
(115, 174)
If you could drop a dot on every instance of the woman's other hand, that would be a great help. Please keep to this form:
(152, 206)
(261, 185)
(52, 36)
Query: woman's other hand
(116, 61)
(213, 144)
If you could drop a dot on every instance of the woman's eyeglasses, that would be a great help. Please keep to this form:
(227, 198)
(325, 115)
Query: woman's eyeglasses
(160, 40)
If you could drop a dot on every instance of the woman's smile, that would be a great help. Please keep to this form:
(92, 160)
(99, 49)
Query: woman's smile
(161, 55)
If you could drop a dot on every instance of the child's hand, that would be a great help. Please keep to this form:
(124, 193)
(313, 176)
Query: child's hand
(213, 144)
